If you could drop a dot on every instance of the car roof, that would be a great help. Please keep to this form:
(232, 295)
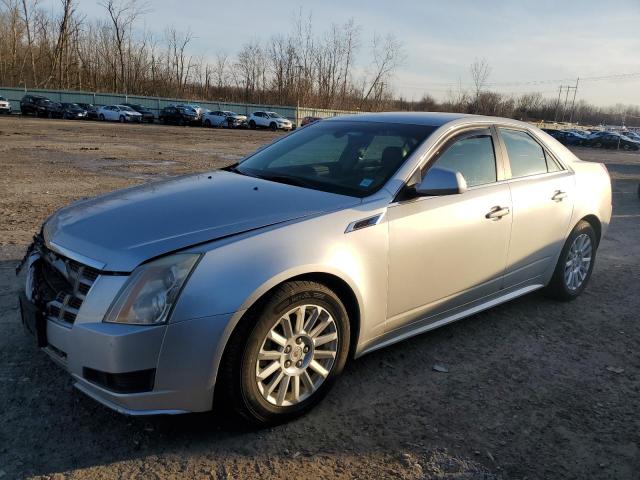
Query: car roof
(432, 119)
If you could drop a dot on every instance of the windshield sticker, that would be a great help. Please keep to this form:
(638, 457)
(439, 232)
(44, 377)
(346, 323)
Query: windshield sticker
(366, 182)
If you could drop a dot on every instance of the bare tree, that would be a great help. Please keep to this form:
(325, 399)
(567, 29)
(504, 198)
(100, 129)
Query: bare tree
(388, 54)
(123, 14)
(480, 71)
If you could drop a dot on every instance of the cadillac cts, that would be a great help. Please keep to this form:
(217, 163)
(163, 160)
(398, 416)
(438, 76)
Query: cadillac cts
(250, 287)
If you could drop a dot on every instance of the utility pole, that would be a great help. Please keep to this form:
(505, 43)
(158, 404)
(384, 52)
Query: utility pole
(566, 88)
(573, 103)
(555, 115)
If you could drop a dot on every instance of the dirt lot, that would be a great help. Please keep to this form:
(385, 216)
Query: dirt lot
(535, 389)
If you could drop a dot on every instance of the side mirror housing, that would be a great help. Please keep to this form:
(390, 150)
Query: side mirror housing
(441, 181)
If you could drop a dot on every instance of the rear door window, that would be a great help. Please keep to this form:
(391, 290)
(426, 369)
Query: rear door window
(526, 156)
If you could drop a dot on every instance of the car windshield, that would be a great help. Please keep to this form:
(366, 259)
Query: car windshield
(126, 109)
(2, 99)
(274, 115)
(348, 157)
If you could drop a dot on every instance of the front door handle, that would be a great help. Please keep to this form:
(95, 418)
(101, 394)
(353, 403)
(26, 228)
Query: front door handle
(559, 195)
(497, 212)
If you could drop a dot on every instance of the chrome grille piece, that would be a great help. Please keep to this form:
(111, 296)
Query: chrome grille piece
(61, 284)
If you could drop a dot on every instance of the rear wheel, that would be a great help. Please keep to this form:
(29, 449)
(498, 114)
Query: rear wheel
(207, 123)
(281, 361)
(101, 117)
(122, 119)
(252, 125)
(575, 264)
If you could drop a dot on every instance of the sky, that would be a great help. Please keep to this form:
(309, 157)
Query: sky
(531, 45)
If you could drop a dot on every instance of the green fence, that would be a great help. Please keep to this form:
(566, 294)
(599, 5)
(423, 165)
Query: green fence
(156, 104)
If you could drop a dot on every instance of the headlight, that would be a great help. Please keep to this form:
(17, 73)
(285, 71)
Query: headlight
(150, 293)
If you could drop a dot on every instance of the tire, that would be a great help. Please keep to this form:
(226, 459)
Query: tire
(246, 394)
(181, 122)
(273, 126)
(207, 123)
(122, 119)
(252, 125)
(50, 115)
(101, 117)
(560, 287)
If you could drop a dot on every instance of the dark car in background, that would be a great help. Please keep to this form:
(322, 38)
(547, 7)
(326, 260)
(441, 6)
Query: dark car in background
(28, 104)
(613, 140)
(147, 115)
(92, 110)
(73, 111)
(47, 108)
(178, 116)
(568, 137)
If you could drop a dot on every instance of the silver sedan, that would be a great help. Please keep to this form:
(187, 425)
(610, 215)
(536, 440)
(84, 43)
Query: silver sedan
(250, 288)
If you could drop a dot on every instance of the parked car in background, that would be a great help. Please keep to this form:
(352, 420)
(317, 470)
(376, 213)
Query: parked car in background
(119, 113)
(92, 110)
(49, 109)
(613, 140)
(271, 120)
(308, 120)
(28, 104)
(224, 118)
(568, 137)
(40, 106)
(147, 115)
(632, 135)
(73, 111)
(257, 283)
(5, 106)
(178, 115)
(196, 108)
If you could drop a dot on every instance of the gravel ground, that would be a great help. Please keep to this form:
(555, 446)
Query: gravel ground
(534, 389)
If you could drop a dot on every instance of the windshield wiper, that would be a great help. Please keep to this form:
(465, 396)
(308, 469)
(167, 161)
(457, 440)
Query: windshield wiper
(285, 179)
(234, 168)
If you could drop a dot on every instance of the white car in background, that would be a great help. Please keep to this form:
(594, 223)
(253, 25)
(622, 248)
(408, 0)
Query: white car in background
(224, 118)
(119, 113)
(5, 106)
(271, 120)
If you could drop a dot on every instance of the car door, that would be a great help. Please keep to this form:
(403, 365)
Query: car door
(447, 251)
(542, 192)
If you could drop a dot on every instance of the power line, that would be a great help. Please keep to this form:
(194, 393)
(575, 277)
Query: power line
(611, 77)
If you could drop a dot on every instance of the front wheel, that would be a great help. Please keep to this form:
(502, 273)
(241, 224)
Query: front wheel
(281, 361)
(273, 126)
(575, 264)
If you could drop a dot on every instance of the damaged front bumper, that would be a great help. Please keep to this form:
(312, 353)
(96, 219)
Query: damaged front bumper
(133, 369)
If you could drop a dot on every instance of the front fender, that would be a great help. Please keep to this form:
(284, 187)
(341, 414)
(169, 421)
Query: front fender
(234, 274)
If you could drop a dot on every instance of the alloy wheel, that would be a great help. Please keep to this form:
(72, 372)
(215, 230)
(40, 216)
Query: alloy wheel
(578, 262)
(297, 355)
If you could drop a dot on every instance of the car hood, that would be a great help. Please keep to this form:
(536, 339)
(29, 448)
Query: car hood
(120, 230)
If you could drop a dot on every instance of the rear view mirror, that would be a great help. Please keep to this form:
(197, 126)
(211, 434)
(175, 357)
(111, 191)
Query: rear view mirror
(441, 181)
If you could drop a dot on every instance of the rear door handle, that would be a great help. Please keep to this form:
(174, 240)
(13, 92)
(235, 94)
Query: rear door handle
(559, 195)
(497, 212)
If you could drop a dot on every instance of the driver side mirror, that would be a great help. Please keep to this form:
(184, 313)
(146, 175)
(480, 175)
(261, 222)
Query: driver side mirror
(441, 181)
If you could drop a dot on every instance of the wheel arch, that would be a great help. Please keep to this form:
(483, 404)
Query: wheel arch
(595, 224)
(339, 285)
